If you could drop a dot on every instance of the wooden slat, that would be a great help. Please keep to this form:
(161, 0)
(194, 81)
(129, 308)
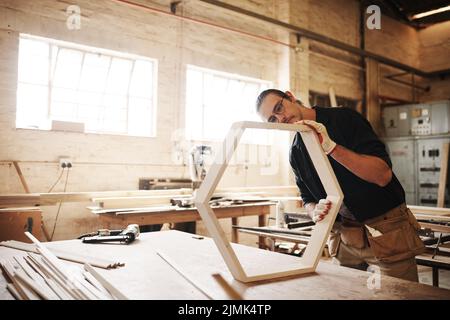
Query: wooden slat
(372, 91)
(435, 227)
(97, 262)
(22, 178)
(430, 210)
(229, 290)
(332, 94)
(443, 175)
(108, 286)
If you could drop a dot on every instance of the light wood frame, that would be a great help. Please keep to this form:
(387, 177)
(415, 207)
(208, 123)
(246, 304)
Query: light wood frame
(308, 262)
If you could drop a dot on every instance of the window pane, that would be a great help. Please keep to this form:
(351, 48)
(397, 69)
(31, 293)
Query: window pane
(32, 105)
(33, 62)
(68, 67)
(142, 80)
(214, 101)
(140, 116)
(119, 76)
(194, 104)
(94, 73)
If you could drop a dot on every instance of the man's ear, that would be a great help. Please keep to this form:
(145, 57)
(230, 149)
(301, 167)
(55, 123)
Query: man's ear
(291, 96)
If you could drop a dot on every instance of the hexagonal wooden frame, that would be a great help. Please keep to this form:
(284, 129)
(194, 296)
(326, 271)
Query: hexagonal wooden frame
(308, 262)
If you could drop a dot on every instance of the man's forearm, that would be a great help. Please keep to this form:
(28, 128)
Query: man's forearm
(369, 168)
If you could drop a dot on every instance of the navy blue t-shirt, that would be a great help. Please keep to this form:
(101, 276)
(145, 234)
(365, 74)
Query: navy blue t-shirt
(351, 130)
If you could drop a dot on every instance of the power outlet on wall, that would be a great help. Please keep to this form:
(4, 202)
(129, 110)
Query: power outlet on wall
(65, 162)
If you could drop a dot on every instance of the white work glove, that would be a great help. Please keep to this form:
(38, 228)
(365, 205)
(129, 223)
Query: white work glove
(321, 210)
(328, 145)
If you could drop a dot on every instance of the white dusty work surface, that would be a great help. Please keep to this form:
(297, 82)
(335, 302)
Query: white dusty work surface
(147, 276)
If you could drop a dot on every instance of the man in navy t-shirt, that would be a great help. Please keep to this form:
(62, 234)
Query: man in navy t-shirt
(374, 226)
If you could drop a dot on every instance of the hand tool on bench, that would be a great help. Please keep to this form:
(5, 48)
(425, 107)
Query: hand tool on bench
(127, 235)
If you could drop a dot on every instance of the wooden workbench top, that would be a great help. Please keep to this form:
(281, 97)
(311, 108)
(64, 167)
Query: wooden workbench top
(147, 276)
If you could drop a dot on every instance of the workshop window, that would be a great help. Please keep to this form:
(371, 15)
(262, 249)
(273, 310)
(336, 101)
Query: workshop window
(215, 100)
(103, 91)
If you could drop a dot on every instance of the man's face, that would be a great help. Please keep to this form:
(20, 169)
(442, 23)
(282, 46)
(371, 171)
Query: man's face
(279, 110)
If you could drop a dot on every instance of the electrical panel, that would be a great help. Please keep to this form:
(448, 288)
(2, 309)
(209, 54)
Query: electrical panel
(421, 120)
(429, 165)
(416, 162)
(440, 117)
(417, 119)
(402, 154)
(397, 121)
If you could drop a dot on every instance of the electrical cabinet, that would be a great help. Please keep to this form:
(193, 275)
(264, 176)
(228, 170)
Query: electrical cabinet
(416, 161)
(402, 154)
(417, 119)
(429, 155)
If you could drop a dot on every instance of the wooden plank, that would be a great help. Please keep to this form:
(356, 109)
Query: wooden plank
(21, 177)
(290, 238)
(22, 289)
(432, 217)
(430, 210)
(100, 263)
(174, 216)
(435, 227)
(87, 196)
(19, 200)
(443, 175)
(230, 291)
(43, 199)
(184, 274)
(126, 202)
(108, 286)
(332, 94)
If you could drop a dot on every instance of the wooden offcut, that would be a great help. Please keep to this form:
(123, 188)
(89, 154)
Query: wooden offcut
(443, 176)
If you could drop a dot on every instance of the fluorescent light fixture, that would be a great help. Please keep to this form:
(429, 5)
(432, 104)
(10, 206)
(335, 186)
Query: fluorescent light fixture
(429, 13)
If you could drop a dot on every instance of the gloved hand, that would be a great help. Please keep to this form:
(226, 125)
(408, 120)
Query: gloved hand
(321, 210)
(328, 145)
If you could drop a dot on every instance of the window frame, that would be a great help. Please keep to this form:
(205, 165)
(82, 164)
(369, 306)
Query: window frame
(86, 49)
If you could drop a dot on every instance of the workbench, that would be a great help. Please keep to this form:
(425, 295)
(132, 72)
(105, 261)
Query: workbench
(147, 276)
(160, 215)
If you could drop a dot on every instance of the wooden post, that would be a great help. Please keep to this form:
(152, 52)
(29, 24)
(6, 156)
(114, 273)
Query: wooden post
(333, 101)
(443, 176)
(22, 179)
(262, 223)
(373, 105)
(234, 231)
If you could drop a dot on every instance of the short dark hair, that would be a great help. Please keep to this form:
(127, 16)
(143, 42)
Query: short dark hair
(265, 93)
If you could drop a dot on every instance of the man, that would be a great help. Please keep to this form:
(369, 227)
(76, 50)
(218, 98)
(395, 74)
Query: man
(374, 226)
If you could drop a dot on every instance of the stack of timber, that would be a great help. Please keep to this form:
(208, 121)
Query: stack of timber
(94, 261)
(436, 219)
(34, 276)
